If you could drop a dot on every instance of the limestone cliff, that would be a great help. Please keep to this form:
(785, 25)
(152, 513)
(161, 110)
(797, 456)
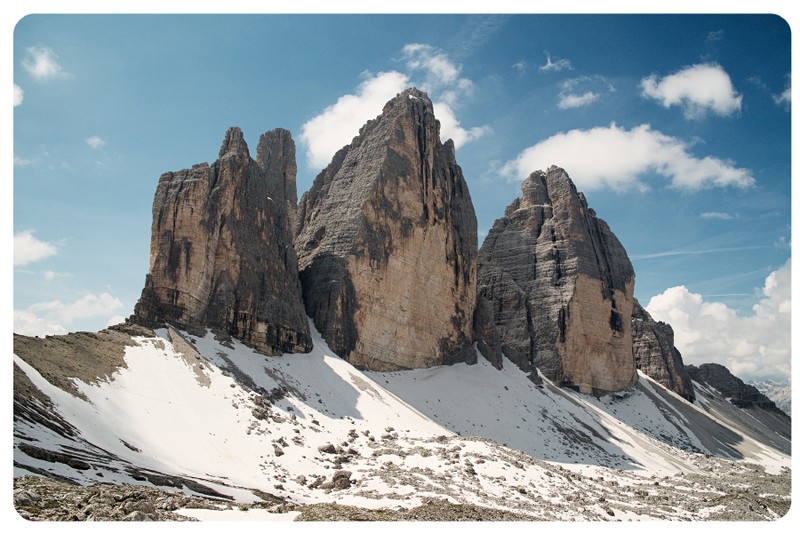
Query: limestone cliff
(656, 355)
(560, 287)
(221, 253)
(387, 245)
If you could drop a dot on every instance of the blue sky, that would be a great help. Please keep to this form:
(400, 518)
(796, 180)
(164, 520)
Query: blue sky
(676, 127)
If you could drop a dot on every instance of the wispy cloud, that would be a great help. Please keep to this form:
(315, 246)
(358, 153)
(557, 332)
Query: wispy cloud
(95, 141)
(751, 346)
(29, 249)
(582, 91)
(18, 95)
(784, 98)
(721, 215)
(555, 66)
(42, 64)
(57, 317)
(620, 159)
(520, 66)
(715, 36)
(698, 89)
(429, 68)
(697, 252)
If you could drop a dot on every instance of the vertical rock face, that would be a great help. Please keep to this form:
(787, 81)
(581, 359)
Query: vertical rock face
(656, 355)
(387, 245)
(560, 287)
(221, 253)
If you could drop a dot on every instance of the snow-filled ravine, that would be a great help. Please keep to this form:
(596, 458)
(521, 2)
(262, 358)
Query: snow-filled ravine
(221, 419)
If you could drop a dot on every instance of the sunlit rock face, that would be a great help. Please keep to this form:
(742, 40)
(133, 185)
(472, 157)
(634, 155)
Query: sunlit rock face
(387, 245)
(559, 287)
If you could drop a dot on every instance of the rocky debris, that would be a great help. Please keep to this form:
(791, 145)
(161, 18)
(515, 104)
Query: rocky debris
(656, 355)
(43, 499)
(387, 245)
(560, 288)
(221, 253)
(734, 389)
(431, 510)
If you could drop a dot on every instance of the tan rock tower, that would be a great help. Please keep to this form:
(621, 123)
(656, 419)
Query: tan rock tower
(387, 245)
(221, 253)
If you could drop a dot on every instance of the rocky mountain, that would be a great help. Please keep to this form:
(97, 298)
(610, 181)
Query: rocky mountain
(656, 355)
(221, 252)
(387, 245)
(558, 288)
(386, 409)
(780, 392)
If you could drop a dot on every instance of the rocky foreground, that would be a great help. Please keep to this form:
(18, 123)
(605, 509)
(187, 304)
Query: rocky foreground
(730, 491)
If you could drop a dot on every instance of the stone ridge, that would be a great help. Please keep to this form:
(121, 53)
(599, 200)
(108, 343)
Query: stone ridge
(387, 242)
(656, 355)
(740, 394)
(221, 253)
(559, 286)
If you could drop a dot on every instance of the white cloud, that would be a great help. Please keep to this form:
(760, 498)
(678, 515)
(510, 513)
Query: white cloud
(697, 89)
(568, 101)
(555, 66)
(582, 91)
(784, 99)
(750, 346)
(22, 162)
(339, 123)
(717, 215)
(618, 158)
(29, 249)
(57, 317)
(41, 63)
(451, 129)
(95, 141)
(441, 78)
(18, 95)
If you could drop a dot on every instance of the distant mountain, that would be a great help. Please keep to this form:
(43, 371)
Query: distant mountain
(778, 392)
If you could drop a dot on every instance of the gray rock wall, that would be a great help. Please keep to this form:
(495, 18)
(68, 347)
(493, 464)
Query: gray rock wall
(560, 286)
(221, 252)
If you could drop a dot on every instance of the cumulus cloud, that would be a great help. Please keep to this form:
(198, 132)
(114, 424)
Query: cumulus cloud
(42, 64)
(753, 346)
(29, 249)
(57, 317)
(437, 75)
(698, 89)
(18, 95)
(329, 131)
(618, 158)
(555, 66)
(95, 141)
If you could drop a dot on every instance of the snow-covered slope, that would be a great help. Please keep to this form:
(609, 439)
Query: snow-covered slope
(219, 419)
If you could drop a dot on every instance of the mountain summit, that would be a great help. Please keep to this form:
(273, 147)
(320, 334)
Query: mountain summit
(221, 254)
(387, 245)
